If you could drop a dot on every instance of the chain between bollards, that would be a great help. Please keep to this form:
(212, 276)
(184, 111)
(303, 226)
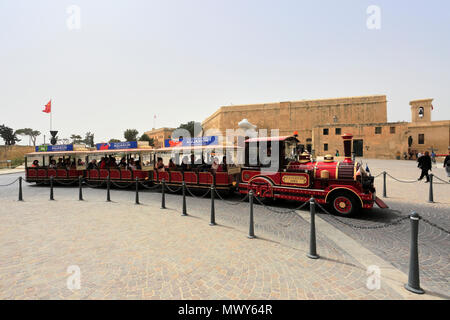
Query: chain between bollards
(312, 234)
(163, 194)
(413, 284)
(213, 209)
(183, 186)
(384, 184)
(80, 187)
(137, 190)
(430, 193)
(20, 189)
(51, 188)
(251, 230)
(108, 189)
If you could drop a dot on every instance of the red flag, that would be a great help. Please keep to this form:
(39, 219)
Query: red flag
(432, 108)
(48, 107)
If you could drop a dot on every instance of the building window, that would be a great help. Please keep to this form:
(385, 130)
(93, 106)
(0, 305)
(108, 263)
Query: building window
(392, 129)
(421, 138)
(325, 132)
(377, 130)
(325, 147)
(337, 131)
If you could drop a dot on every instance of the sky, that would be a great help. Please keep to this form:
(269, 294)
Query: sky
(122, 62)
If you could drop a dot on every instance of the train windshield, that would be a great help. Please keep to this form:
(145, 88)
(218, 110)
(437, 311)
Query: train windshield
(290, 150)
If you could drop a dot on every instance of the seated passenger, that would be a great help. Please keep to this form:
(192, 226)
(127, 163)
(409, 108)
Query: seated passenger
(35, 164)
(223, 167)
(172, 164)
(92, 165)
(215, 164)
(138, 165)
(112, 162)
(73, 165)
(160, 165)
(184, 164)
(131, 164)
(60, 163)
(102, 163)
(52, 164)
(80, 163)
(123, 163)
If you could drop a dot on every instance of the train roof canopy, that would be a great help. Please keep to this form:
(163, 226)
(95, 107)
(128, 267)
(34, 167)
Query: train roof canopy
(281, 138)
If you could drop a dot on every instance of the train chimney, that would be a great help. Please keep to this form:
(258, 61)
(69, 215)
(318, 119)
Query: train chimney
(348, 138)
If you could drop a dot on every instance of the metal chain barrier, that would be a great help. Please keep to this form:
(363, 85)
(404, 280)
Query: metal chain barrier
(6, 185)
(154, 187)
(94, 185)
(65, 183)
(124, 186)
(281, 211)
(172, 190)
(402, 181)
(378, 175)
(434, 225)
(198, 197)
(231, 203)
(395, 222)
(443, 181)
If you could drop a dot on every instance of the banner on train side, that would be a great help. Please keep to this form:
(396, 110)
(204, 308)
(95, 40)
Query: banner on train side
(117, 145)
(55, 148)
(190, 142)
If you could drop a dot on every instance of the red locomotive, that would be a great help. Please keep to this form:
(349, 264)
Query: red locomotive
(344, 185)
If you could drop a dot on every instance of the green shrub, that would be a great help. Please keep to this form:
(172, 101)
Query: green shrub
(17, 162)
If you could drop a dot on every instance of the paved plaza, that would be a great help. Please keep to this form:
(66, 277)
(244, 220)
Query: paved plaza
(128, 251)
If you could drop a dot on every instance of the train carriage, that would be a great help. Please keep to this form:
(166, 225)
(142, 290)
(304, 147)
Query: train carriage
(198, 174)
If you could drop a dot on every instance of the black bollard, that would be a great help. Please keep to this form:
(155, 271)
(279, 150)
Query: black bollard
(80, 187)
(430, 194)
(312, 234)
(20, 189)
(213, 209)
(137, 190)
(108, 189)
(163, 194)
(51, 188)
(183, 186)
(413, 284)
(384, 184)
(251, 230)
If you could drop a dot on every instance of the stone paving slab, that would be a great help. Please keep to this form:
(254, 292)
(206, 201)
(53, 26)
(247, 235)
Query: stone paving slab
(126, 251)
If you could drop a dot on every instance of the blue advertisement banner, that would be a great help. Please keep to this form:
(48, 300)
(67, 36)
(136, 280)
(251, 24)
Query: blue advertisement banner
(117, 145)
(55, 148)
(189, 142)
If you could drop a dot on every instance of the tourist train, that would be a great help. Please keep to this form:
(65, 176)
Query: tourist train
(201, 162)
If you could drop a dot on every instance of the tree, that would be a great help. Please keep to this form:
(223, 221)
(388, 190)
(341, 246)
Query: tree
(64, 141)
(32, 134)
(130, 134)
(190, 126)
(8, 135)
(89, 139)
(113, 140)
(76, 138)
(145, 137)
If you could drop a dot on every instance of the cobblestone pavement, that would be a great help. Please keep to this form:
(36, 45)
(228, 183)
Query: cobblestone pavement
(287, 233)
(131, 252)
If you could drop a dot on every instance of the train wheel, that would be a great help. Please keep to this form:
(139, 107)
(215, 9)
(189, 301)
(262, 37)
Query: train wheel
(344, 204)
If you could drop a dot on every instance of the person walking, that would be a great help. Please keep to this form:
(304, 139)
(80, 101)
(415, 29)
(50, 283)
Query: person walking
(433, 157)
(447, 163)
(424, 163)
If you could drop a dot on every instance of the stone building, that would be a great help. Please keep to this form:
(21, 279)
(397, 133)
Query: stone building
(320, 123)
(159, 135)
